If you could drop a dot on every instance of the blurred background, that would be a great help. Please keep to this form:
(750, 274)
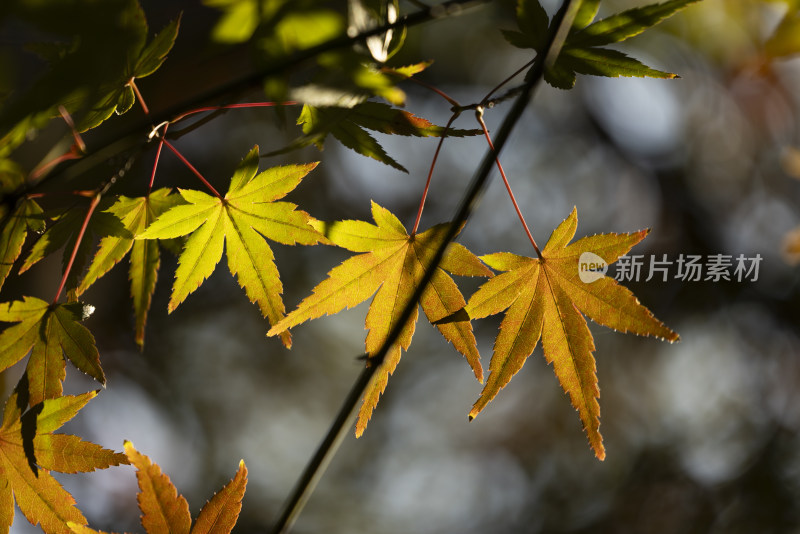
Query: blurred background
(701, 436)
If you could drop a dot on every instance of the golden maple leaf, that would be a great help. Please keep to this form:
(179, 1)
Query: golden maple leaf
(544, 298)
(392, 263)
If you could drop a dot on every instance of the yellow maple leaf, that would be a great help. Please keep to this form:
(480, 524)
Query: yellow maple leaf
(544, 298)
(393, 264)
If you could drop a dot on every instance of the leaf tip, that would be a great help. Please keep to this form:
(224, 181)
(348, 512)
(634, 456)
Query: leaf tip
(673, 338)
(286, 339)
(274, 331)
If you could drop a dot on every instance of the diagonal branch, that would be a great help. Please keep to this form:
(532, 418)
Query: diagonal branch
(344, 419)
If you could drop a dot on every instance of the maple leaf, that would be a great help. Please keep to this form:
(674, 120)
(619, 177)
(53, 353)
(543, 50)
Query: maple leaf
(544, 298)
(91, 69)
(141, 61)
(63, 233)
(165, 510)
(135, 214)
(582, 52)
(29, 450)
(392, 263)
(18, 216)
(349, 126)
(52, 331)
(246, 213)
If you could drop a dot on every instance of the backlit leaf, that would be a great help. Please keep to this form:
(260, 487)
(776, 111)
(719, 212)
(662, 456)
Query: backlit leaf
(136, 214)
(164, 510)
(25, 474)
(391, 266)
(349, 125)
(142, 62)
(238, 22)
(408, 71)
(25, 216)
(544, 298)
(63, 232)
(153, 55)
(219, 515)
(609, 63)
(580, 53)
(103, 38)
(50, 332)
(624, 25)
(243, 218)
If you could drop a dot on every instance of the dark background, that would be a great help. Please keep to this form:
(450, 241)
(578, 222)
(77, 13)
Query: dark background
(701, 436)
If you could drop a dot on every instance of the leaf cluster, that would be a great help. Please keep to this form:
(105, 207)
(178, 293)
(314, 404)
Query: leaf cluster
(90, 75)
(584, 51)
(165, 510)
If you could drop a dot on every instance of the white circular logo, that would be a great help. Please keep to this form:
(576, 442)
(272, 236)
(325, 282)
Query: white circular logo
(591, 267)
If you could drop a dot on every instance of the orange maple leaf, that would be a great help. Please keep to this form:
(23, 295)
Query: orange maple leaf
(544, 298)
(165, 510)
(393, 264)
(29, 451)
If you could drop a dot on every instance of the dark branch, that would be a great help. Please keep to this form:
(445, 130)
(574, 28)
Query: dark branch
(344, 420)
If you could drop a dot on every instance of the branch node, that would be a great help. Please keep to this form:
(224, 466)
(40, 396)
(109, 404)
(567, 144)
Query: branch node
(154, 133)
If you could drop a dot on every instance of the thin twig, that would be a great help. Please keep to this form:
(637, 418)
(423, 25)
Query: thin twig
(191, 168)
(479, 115)
(486, 101)
(216, 112)
(430, 172)
(139, 96)
(76, 151)
(327, 449)
(92, 206)
(453, 102)
(234, 106)
(158, 156)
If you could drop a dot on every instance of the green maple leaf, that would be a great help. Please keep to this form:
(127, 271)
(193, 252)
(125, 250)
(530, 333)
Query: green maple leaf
(19, 215)
(50, 332)
(143, 60)
(29, 450)
(136, 214)
(165, 510)
(101, 50)
(582, 52)
(543, 298)
(349, 126)
(63, 233)
(392, 263)
(245, 216)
